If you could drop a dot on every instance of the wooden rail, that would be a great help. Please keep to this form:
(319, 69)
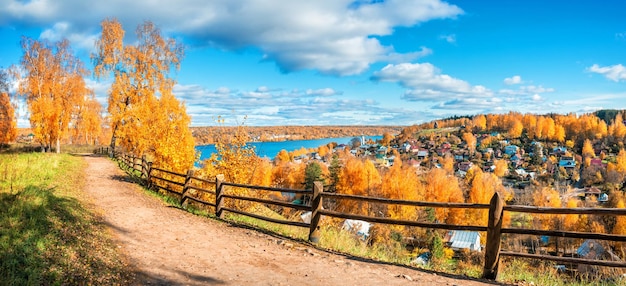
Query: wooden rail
(493, 227)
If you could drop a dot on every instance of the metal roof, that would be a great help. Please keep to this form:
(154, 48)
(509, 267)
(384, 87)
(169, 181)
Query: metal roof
(464, 239)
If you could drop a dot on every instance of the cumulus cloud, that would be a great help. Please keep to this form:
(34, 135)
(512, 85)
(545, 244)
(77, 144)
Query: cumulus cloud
(336, 37)
(516, 79)
(615, 73)
(425, 82)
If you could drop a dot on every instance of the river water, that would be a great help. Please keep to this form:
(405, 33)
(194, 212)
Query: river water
(271, 149)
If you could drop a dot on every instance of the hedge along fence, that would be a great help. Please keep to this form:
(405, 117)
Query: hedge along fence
(181, 184)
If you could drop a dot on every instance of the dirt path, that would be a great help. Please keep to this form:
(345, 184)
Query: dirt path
(168, 246)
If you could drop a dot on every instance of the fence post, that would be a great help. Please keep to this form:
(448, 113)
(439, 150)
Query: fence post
(143, 166)
(149, 176)
(494, 225)
(316, 206)
(219, 201)
(183, 196)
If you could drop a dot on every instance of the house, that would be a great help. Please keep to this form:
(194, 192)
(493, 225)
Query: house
(461, 239)
(442, 151)
(567, 162)
(516, 158)
(559, 150)
(422, 153)
(597, 162)
(593, 250)
(382, 150)
(465, 166)
(511, 150)
(406, 147)
(522, 173)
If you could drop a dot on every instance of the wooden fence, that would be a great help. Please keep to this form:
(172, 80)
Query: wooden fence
(153, 178)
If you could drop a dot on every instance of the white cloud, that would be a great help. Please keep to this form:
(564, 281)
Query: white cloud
(536, 89)
(263, 89)
(470, 104)
(615, 73)
(336, 37)
(322, 92)
(425, 82)
(449, 38)
(527, 90)
(537, 97)
(296, 107)
(516, 79)
(62, 30)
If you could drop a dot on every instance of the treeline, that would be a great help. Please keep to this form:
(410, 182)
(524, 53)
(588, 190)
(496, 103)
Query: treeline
(211, 134)
(570, 129)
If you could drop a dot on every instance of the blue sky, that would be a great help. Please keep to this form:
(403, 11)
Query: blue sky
(353, 62)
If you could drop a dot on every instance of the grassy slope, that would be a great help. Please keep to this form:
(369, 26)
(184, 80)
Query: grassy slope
(47, 236)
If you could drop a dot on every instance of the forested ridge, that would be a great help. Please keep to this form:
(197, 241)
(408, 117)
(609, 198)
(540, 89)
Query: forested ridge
(209, 134)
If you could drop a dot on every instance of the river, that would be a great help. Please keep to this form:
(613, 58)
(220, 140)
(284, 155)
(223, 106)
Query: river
(271, 149)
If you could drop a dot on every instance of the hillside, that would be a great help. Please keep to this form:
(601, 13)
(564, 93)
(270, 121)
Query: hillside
(208, 134)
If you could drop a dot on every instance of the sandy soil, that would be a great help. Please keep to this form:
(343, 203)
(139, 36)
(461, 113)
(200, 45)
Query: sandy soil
(168, 246)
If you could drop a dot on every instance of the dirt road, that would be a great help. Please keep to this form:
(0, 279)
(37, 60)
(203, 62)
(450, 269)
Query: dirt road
(168, 246)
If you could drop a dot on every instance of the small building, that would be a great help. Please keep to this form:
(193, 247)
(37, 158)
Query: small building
(422, 153)
(465, 166)
(593, 250)
(511, 150)
(461, 239)
(597, 162)
(567, 162)
(559, 150)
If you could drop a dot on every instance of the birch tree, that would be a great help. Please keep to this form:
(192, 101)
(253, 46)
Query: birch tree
(145, 117)
(51, 80)
(8, 123)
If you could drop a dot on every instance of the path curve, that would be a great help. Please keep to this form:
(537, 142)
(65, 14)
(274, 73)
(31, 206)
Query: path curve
(168, 246)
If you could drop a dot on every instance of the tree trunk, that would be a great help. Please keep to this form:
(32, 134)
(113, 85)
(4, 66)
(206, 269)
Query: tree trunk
(58, 145)
(113, 139)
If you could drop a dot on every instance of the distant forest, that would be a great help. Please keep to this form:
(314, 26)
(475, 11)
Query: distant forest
(209, 135)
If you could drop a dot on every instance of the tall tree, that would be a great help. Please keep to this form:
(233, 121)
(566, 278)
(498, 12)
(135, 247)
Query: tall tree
(357, 177)
(87, 122)
(52, 82)
(141, 105)
(441, 186)
(312, 173)
(8, 123)
(387, 137)
(470, 140)
(333, 173)
(588, 151)
(402, 182)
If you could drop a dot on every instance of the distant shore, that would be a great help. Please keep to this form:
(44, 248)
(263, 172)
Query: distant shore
(206, 135)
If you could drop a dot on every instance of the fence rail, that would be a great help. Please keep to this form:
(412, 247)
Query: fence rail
(493, 227)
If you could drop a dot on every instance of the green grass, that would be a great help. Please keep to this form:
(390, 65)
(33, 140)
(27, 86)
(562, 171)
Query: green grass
(47, 236)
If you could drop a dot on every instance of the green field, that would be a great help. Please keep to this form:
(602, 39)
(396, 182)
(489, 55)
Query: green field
(47, 235)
